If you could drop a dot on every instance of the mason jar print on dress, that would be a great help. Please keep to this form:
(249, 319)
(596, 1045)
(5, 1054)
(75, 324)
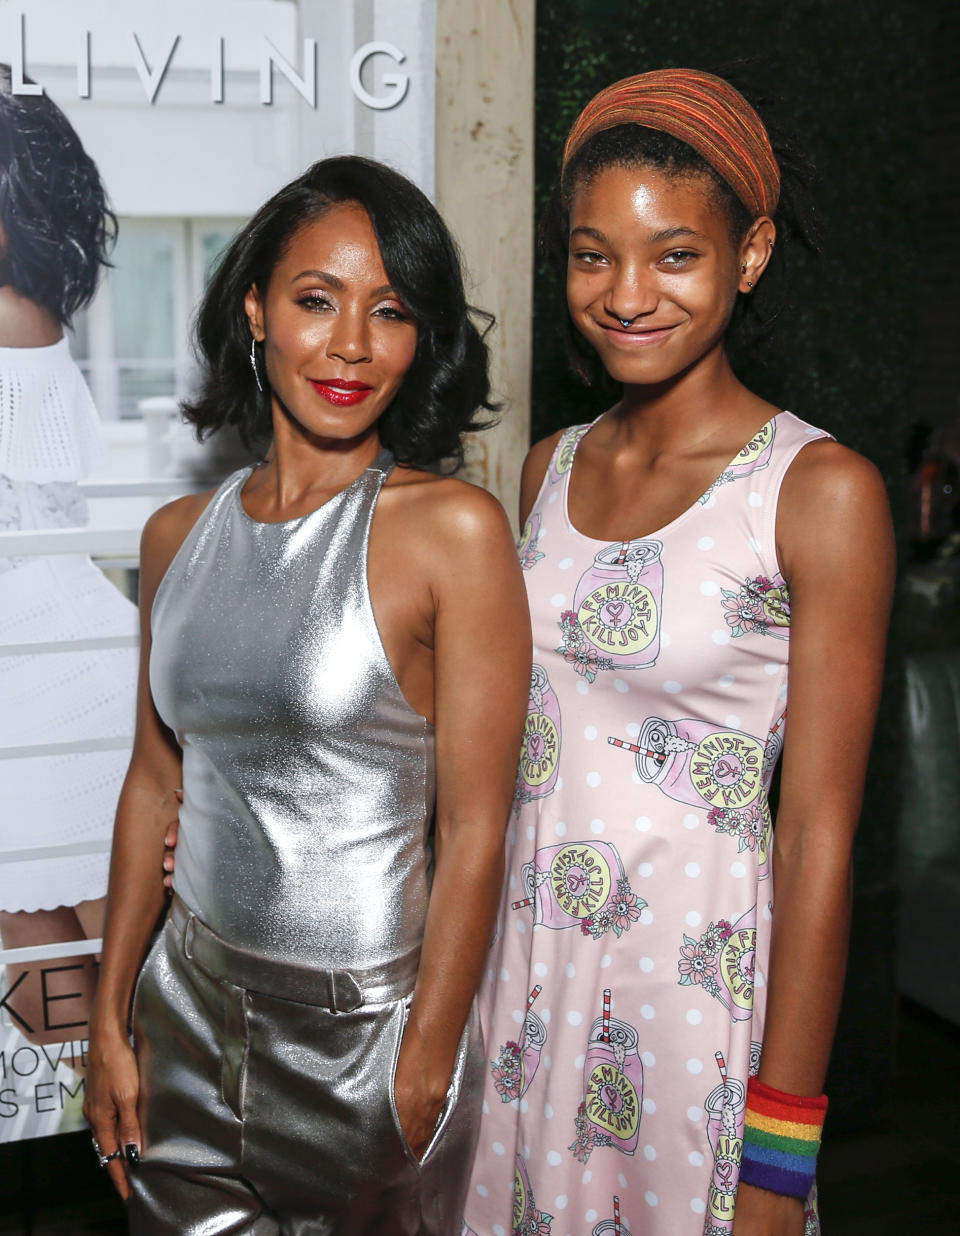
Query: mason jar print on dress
(540, 746)
(609, 1113)
(581, 884)
(615, 620)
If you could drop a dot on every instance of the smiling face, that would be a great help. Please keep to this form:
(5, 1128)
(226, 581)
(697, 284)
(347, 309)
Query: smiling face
(655, 251)
(338, 341)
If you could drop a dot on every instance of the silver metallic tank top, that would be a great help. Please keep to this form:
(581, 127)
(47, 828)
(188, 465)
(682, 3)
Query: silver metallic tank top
(308, 780)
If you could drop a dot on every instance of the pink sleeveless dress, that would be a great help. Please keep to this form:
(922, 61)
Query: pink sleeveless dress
(623, 1005)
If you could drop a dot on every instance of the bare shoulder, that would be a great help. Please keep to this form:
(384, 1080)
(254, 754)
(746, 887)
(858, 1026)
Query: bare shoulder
(447, 509)
(833, 506)
(828, 475)
(167, 529)
(540, 454)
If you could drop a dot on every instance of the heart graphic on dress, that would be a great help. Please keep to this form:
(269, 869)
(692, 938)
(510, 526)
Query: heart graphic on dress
(724, 1172)
(535, 745)
(727, 770)
(615, 610)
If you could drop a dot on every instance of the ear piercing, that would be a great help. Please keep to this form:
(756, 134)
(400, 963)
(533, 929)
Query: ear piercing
(253, 364)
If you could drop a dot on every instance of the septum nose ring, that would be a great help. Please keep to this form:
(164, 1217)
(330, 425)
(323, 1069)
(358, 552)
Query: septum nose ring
(625, 322)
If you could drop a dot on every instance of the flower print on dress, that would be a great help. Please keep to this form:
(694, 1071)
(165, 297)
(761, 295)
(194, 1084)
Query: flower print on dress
(721, 963)
(576, 651)
(527, 549)
(617, 916)
(610, 1111)
(507, 1072)
(516, 1065)
(760, 606)
(754, 456)
(586, 1136)
(752, 828)
(696, 963)
(528, 1219)
(581, 884)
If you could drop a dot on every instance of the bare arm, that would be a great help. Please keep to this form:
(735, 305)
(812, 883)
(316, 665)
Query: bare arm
(836, 547)
(147, 804)
(482, 660)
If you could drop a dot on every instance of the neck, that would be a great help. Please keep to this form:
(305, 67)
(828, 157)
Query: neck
(24, 323)
(299, 464)
(690, 406)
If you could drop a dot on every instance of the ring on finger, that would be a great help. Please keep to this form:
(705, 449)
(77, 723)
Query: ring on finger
(104, 1159)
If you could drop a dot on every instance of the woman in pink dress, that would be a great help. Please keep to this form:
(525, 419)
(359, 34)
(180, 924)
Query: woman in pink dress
(658, 1034)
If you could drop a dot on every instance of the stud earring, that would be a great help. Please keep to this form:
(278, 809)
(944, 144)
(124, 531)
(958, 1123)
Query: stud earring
(253, 364)
(749, 284)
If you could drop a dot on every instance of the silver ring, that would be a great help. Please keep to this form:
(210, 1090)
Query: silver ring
(104, 1159)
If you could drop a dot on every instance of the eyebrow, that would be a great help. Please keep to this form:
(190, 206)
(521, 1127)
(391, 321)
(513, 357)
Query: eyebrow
(655, 238)
(338, 285)
(591, 232)
(672, 233)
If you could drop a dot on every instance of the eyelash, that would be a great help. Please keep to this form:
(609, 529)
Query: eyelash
(685, 256)
(315, 302)
(592, 258)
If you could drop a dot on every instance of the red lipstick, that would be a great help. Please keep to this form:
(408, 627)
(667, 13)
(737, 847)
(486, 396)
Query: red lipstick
(341, 392)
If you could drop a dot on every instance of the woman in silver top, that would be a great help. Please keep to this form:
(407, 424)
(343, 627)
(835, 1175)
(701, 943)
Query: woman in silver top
(335, 663)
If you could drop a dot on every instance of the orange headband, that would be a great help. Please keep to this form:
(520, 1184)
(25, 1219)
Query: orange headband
(697, 108)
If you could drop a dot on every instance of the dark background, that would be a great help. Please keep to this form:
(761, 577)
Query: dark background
(854, 82)
(870, 352)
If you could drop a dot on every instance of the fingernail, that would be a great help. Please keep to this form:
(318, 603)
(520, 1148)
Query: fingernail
(168, 864)
(132, 1153)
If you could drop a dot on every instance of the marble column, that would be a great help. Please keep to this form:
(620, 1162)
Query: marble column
(484, 183)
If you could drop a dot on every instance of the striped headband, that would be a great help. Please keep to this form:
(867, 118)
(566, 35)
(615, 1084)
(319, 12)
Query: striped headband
(697, 108)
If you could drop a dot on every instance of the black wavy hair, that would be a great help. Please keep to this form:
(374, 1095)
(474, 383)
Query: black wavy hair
(53, 207)
(448, 382)
(631, 145)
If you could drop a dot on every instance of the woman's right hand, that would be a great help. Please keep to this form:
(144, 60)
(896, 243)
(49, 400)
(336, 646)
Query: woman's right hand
(170, 845)
(110, 1107)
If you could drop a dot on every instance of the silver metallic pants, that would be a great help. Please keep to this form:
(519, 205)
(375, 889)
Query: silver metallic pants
(266, 1101)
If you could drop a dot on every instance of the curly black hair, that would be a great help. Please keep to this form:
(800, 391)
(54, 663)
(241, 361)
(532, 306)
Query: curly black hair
(631, 145)
(57, 224)
(448, 382)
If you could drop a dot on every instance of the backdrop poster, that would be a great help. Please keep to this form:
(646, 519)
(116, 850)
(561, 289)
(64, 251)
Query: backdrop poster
(194, 114)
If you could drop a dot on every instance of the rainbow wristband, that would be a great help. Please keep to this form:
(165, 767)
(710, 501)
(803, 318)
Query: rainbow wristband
(781, 1138)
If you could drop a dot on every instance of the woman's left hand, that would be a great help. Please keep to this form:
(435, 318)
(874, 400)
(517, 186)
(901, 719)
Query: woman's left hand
(762, 1213)
(419, 1096)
